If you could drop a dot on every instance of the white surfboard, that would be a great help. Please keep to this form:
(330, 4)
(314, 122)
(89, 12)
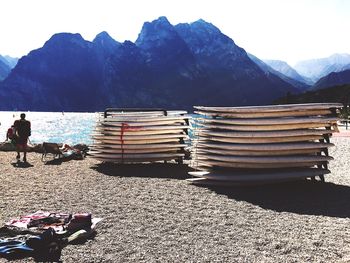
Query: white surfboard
(266, 114)
(263, 134)
(200, 150)
(145, 113)
(201, 164)
(175, 145)
(266, 127)
(131, 142)
(272, 108)
(133, 151)
(271, 121)
(142, 128)
(265, 159)
(137, 137)
(265, 147)
(135, 156)
(126, 125)
(146, 119)
(262, 140)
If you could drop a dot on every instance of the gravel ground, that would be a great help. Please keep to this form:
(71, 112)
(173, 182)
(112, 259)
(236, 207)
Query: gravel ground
(152, 215)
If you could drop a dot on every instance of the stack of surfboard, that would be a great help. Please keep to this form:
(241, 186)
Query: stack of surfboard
(140, 136)
(262, 143)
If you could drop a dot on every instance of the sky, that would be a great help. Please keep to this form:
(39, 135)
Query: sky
(289, 30)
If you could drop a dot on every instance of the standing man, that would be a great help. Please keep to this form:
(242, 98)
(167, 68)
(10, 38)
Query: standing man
(23, 131)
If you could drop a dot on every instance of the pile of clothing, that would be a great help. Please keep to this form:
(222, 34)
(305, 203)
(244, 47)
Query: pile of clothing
(42, 235)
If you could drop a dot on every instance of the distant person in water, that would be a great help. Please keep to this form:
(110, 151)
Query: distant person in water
(22, 132)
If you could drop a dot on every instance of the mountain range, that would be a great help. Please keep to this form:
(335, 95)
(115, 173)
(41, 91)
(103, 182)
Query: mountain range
(300, 85)
(315, 69)
(285, 69)
(167, 66)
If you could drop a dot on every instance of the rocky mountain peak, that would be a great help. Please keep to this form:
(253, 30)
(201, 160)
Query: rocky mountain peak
(155, 33)
(201, 26)
(212, 47)
(106, 44)
(104, 37)
(63, 40)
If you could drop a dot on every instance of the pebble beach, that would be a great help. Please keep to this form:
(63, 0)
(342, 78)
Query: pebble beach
(151, 214)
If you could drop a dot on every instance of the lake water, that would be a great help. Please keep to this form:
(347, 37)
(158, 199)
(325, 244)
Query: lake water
(67, 127)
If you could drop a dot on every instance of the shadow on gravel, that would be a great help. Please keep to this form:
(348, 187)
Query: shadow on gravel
(22, 164)
(302, 197)
(152, 170)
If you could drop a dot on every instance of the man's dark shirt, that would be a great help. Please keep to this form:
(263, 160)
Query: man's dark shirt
(23, 128)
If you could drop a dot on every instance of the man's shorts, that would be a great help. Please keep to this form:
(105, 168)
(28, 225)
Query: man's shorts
(22, 141)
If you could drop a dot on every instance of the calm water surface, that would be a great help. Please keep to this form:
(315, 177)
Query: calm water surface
(67, 127)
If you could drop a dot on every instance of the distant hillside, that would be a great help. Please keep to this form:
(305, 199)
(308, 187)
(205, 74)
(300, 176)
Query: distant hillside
(269, 70)
(318, 68)
(340, 94)
(285, 69)
(4, 69)
(333, 79)
(11, 61)
(168, 66)
(6, 64)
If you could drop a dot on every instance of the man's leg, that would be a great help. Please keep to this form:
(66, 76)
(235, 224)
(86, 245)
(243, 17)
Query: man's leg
(24, 146)
(18, 150)
(25, 153)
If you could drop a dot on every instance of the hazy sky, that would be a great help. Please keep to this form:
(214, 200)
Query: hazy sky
(289, 30)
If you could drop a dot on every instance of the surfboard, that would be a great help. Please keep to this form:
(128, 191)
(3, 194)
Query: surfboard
(203, 164)
(127, 142)
(262, 140)
(263, 134)
(126, 125)
(119, 132)
(135, 156)
(265, 147)
(272, 108)
(146, 119)
(137, 137)
(266, 114)
(200, 150)
(134, 151)
(143, 113)
(140, 146)
(265, 127)
(265, 159)
(138, 128)
(135, 160)
(271, 121)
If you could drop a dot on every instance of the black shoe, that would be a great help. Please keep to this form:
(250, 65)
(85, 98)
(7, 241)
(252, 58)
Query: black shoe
(24, 160)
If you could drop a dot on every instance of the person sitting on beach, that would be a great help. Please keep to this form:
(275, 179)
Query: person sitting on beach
(69, 151)
(10, 133)
(22, 132)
